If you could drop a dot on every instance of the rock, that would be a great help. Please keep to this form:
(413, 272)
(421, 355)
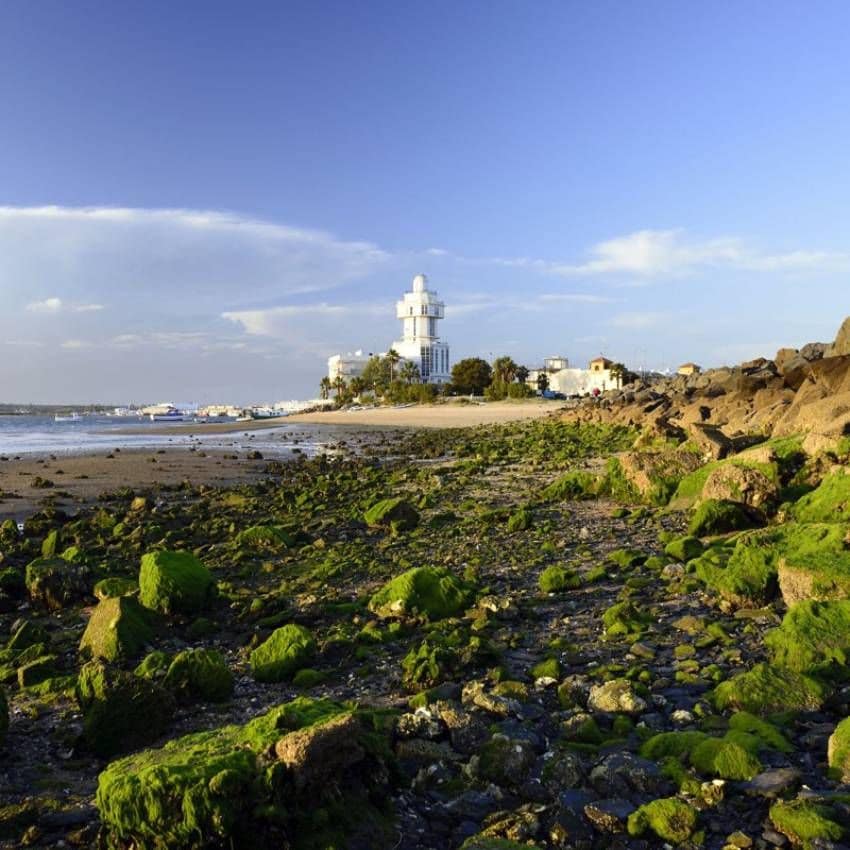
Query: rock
(503, 760)
(427, 752)
(669, 818)
(731, 482)
(174, 583)
(475, 694)
(36, 671)
(562, 769)
(616, 696)
(285, 651)
(838, 751)
(803, 822)
(395, 514)
(814, 638)
(841, 344)
(322, 751)
(120, 711)
(466, 732)
(623, 774)
(712, 442)
(435, 593)
(117, 628)
(814, 564)
(26, 633)
(767, 689)
(56, 583)
(684, 548)
(199, 674)
(264, 538)
(774, 783)
(717, 517)
(4, 716)
(108, 588)
(654, 475)
(609, 816)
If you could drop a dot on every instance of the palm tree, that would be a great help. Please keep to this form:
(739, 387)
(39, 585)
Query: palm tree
(357, 385)
(393, 356)
(618, 372)
(522, 374)
(339, 385)
(504, 369)
(542, 382)
(324, 387)
(409, 372)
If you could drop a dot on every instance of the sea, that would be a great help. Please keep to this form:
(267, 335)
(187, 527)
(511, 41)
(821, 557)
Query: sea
(41, 435)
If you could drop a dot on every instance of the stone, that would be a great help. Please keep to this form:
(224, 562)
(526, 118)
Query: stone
(774, 783)
(285, 651)
(199, 674)
(732, 482)
(712, 442)
(321, 751)
(616, 696)
(117, 628)
(395, 514)
(609, 816)
(435, 593)
(841, 344)
(55, 583)
(174, 583)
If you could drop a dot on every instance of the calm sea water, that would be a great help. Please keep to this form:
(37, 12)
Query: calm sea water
(26, 435)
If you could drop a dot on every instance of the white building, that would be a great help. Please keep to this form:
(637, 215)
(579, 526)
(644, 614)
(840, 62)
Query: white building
(347, 366)
(562, 379)
(420, 311)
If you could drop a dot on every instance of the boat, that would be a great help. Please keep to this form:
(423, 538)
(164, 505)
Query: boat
(170, 415)
(70, 417)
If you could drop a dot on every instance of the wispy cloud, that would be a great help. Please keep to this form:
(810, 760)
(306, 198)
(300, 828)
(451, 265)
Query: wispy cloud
(73, 344)
(48, 305)
(87, 308)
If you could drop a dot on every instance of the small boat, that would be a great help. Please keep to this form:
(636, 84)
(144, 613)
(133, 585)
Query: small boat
(70, 417)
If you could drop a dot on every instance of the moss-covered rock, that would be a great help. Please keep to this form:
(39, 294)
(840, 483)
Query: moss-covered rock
(838, 751)
(743, 572)
(572, 485)
(520, 520)
(814, 638)
(435, 593)
(555, 579)
(214, 788)
(768, 689)
(828, 502)
(395, 514)
(174, 583)
(719, 517)
(624, 620)
(814, 562)
(670, 818)
(804, 821)
(199, 674)
(120, 711)
(725, 759)
(27, 634)
(36, 671)
(154, 665)
(684, 548)
(109, 588)
(285, 651)
(264, 538)
(118, 628)
(55, 582)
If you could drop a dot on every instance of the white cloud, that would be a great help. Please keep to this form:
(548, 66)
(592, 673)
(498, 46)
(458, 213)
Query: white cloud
(48, 305)
(87, 308)
(276, 321)
(76, 344)
(657, 253)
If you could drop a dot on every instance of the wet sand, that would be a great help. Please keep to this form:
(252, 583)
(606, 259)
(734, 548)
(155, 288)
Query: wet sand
(81, 479)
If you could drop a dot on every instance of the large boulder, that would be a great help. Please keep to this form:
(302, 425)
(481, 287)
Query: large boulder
(174, 583)
(814, 562)
(286, 651)
(710, 440)
(828, 502)
(714, 516)
(655, 475)
(768, 689)
(814, 638)
(218, 787)
(121, 711)
(55, 582)
(838, 751)
(732, 482)
(616, 696)
(841, 345)
(117, 628)
(435, 593)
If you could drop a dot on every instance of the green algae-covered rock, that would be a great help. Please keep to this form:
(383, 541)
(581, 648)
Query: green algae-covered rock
(36, 671)
(725, 759)
(174, 583)
(265, 537)
(766, 733)
(434, 592)
(117, 628)
(199, 674)
(4, 716)
(684, 548)
(624, 619)
(108, 588)
(520, 521)
(768, 689)
(804, 821)
(27, 634)
(120, 711)
(714, 516)
(670, 818)
(215, 788)
(743, 572)
(829, 502)
(55, 582)
(396, 514)
(154, 665)
(814, 638)
(572, 485)
(838, 751)
(50, 544)
(813, 562)
(554, 579)
(285, 651)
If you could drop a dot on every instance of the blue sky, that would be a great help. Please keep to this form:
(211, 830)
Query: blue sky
(205, 199)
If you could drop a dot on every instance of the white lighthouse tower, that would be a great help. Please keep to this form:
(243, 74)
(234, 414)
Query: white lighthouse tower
(419, 311)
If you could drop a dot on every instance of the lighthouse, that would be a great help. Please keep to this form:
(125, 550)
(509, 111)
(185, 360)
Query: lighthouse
(420, 311)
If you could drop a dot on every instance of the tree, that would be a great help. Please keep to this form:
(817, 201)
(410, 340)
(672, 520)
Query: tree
(339, 385)
(357, 385)
(471, 375)
(409, 372)
(504, 369)
(325, 387)
(542, 382)
(617, 372)
(393, 356)
(376, 373)
(522, 374)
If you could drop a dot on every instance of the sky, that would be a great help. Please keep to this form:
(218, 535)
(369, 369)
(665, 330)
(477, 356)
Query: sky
(204, 200)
